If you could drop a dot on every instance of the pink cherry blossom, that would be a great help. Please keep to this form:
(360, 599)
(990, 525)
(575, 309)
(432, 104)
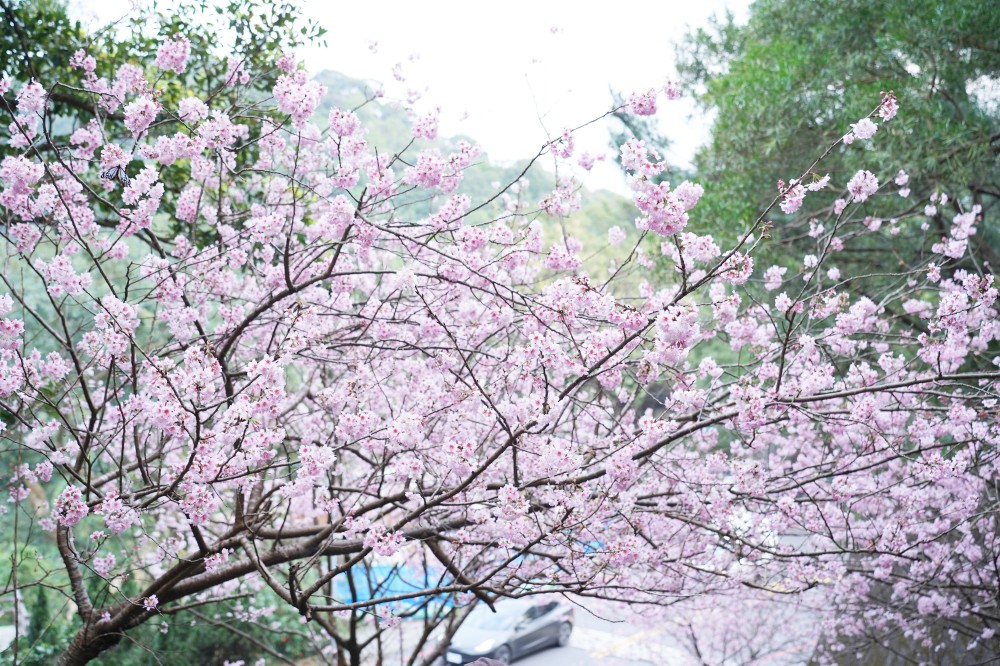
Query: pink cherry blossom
(118, 516)
(31, 97)
(616, 236)
(642, 104)
(173, 54)
(236, 72)
(140, 114)
(104, 564)
(425, 127)
(889, 107)
(70, 507)
(793, 198)
(864, 128)
(344, 123)
(298, 96)
(862, 185)
(192, 110)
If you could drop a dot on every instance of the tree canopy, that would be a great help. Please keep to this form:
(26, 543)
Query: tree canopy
(781, 84)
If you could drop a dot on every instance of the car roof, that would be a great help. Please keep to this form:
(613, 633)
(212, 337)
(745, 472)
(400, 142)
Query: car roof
(511, 605)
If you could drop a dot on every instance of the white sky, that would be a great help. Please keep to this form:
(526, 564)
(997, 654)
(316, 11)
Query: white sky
(511, 73)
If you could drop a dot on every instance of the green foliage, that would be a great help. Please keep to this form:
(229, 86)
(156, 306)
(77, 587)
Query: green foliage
(209, 637)
(788, 84)
(49, 629)
(37, 37)
(599, 212)
(39, 615)
(41, 38)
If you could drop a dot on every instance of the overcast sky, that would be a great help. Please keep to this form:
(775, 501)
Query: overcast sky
(511, 73)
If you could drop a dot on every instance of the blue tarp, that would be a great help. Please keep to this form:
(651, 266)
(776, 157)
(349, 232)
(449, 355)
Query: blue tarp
(386, 580)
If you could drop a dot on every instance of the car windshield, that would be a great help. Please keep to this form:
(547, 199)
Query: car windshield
(483, 618)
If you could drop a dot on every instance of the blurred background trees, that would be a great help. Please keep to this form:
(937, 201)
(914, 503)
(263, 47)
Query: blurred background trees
(782, 85)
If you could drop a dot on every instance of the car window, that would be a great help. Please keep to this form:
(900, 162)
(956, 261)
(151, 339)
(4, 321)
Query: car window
(483, 618)
(536, 612)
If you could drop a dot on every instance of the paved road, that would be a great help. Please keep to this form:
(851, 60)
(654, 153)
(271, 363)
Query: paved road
(600, 642)
(603, 642)
(6, 636)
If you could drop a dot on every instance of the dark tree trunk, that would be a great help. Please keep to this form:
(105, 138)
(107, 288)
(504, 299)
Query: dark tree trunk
(83, 648)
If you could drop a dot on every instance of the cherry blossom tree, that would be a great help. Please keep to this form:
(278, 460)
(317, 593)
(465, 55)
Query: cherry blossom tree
(235, 360)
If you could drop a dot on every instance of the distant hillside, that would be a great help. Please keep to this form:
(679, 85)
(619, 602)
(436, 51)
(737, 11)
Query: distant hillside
(389, 129)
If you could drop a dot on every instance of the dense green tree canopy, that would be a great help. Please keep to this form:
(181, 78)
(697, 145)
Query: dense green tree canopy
(783, 83)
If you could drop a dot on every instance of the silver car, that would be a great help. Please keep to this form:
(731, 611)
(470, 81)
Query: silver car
(519, 627)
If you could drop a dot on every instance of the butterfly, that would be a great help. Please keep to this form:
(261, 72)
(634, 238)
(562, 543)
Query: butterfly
(117, 172)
